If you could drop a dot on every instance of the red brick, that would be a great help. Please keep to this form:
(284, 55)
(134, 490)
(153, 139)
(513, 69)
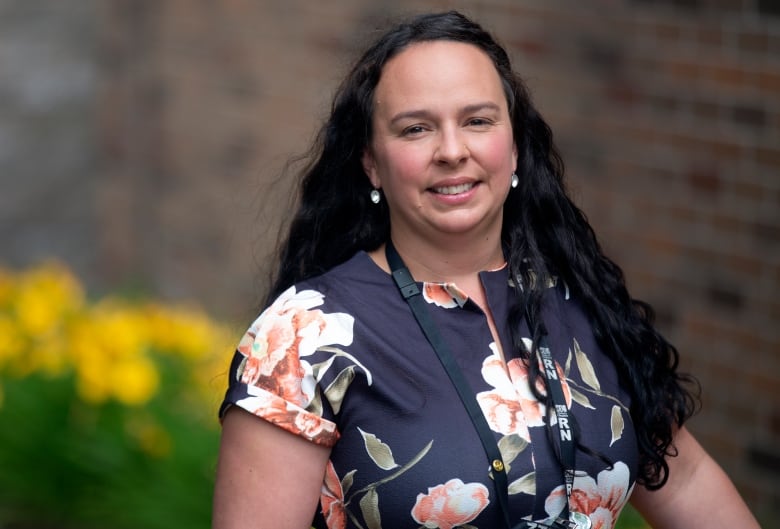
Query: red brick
(753, 41)
(725, 74)
(709, 36)
(706, 109)
(705, 179)
(667, 31)
(768, 156)
(767, 80)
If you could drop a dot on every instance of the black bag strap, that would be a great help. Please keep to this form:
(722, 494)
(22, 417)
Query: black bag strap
(411, 293)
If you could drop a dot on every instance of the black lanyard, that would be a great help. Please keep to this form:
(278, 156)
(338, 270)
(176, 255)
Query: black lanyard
(565, 434)
(411, 293)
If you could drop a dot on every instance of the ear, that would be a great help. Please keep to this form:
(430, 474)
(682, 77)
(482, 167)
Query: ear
(369, 167)
(514, 155)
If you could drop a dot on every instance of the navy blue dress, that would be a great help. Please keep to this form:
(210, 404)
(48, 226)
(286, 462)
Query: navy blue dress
(341, 361)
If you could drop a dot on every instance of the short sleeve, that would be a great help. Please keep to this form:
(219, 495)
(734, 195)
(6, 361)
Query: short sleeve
(272, 374)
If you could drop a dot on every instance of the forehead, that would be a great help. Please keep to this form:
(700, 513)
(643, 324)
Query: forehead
(433, 70)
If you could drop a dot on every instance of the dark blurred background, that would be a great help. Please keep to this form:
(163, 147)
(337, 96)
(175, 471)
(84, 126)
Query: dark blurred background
(141, 140)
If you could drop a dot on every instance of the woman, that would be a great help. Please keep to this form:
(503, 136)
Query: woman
(435, 164)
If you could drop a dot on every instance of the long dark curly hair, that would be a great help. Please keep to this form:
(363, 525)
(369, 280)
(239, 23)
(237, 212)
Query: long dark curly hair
(544, 234)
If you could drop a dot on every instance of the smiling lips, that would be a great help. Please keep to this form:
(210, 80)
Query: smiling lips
(453, 190)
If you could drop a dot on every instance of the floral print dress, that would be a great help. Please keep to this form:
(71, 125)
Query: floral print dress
(341, 361)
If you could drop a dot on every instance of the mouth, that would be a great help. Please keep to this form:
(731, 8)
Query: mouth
(453, 190)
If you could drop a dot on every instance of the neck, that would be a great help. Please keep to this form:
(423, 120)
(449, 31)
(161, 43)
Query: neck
(446, 259)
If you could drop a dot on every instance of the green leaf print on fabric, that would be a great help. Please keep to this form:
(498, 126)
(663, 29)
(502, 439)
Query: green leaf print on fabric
(590, 380)
(586, 368)
(379, 452)
(336, 498)
(369, 507)
(617, 424)
(524, 485)
(510, 447)
(338, 388)
(347, 480)
(341, 353)
(581, 399)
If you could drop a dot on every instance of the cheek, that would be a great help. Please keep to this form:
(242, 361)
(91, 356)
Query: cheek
(498, 156)
(404, 163)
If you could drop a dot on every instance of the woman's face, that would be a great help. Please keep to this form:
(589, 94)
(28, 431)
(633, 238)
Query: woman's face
(442, 149)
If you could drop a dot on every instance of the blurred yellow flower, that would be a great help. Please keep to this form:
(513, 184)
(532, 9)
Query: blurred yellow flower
(120, 329)
(11, 340)
(45, 296)
(46, 354)
(113, 347)
(134, 380)
(92, 384)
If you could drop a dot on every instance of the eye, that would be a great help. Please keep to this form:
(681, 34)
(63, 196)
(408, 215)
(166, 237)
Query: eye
(413, 130)
(478, 122)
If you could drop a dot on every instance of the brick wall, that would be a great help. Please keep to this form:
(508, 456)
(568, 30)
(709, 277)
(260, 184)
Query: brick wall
(667, 113)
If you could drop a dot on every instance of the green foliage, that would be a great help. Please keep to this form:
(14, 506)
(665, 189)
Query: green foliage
(631, 519)
(107, 409)
(69, 464)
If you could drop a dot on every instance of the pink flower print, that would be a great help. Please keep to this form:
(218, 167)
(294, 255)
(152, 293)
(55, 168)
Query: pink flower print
(332, 500)
(288, 330)
(446, 295)
(274, 363)
(289, 417)
(311, 426)
(601, 499)
(510, 408)
(245, 345)
(503, 415)
(450, 505)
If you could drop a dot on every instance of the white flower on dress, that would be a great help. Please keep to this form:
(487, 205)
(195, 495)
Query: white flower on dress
(601, 499)
(510, 407)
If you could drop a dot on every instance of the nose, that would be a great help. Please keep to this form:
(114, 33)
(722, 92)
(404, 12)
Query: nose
(452, 148)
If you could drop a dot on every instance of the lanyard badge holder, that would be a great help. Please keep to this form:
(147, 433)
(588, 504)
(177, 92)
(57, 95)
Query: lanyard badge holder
(568, 519)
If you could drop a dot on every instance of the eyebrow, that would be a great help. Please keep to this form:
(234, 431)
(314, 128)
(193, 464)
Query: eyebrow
(468, 109)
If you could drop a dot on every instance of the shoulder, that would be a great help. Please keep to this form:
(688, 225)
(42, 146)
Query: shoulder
(333, 297)
(358, 268)
(352, 285)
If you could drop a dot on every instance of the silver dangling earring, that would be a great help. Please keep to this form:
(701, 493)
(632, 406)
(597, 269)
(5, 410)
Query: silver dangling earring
(515, 180)
(375, 196)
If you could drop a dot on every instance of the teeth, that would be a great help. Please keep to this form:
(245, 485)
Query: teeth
(453, 190)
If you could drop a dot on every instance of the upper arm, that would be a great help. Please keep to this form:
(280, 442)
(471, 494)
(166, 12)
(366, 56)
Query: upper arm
(697, 494)
(266, 476)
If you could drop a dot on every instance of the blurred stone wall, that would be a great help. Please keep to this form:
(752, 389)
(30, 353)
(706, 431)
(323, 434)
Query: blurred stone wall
(48, 151)
(140, 142)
